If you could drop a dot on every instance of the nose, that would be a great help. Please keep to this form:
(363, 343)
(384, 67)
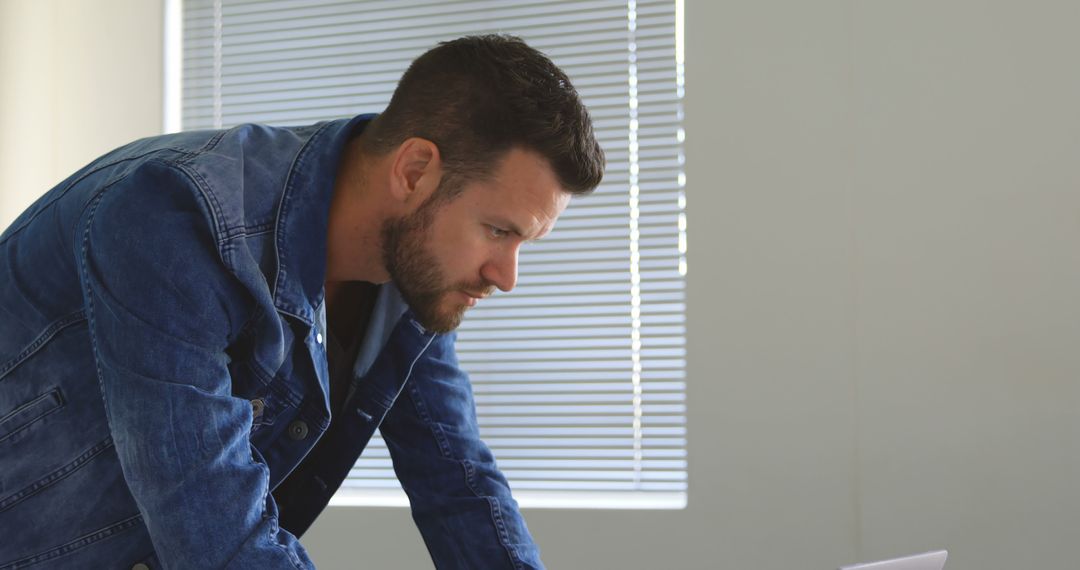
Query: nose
(501, 271)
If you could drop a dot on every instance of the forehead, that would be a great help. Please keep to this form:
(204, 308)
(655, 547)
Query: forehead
(523, 191)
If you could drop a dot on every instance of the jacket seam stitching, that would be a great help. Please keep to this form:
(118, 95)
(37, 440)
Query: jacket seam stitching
(267, 380)
(303, 319)
(209, 144)
(57, 403)
(494, 509)
(89, 293)
(77, 544)
(56, 476)
(467, 467)
(222, 234)
(272, 520)
(286, 196)
(274, 528)
(42, 339)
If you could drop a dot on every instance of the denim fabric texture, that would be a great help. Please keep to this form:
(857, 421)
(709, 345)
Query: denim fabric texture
(163, 369)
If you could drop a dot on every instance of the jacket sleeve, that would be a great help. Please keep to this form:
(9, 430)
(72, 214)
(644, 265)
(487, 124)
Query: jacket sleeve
(460, 500)
(162, 308)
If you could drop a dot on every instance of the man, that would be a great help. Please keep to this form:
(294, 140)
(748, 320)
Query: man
(201, 332)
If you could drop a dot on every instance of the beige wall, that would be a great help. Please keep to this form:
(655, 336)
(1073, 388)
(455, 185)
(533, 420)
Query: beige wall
(884, 220)
(77, 78)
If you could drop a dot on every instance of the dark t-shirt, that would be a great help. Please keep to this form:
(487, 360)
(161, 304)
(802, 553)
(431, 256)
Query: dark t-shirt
(345, 335)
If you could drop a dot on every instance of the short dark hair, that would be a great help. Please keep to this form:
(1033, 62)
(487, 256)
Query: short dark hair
(477, 97)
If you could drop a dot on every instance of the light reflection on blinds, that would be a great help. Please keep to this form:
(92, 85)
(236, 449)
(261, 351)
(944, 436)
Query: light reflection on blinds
(579, 374)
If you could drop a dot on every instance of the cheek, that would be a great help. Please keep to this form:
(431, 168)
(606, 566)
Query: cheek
(459, 253)
(460, 263)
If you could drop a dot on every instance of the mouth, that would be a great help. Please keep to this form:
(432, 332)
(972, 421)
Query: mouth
(470, 299)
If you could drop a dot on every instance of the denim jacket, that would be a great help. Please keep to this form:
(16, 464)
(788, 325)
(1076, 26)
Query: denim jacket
(163, 369)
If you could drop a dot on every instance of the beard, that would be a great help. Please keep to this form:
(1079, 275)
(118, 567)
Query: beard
(416, 271)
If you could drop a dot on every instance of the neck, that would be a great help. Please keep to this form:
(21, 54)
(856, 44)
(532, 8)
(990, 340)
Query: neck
(354, 229)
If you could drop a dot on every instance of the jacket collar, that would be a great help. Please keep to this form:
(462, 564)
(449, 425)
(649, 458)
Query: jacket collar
(303, 217)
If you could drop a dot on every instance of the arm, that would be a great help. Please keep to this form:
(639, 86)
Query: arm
(460, 500)
(162, 309)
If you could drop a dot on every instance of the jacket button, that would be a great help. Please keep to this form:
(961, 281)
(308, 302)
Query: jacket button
(140, 566)
(256, 407)
(298, 430)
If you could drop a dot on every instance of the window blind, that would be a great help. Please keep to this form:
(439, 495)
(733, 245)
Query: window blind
(579, 374)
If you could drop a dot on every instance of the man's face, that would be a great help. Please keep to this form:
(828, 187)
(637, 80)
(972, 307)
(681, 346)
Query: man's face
(446, 255)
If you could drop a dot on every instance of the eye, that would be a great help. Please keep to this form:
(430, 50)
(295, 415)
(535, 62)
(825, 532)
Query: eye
(496, 232)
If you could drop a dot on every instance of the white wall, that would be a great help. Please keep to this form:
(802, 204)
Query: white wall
(884, 219)
(77, 78)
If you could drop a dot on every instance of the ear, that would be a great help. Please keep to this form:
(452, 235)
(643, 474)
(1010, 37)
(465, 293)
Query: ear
(415, 171)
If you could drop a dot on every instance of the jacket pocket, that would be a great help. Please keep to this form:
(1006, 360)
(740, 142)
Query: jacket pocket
(24, 415)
